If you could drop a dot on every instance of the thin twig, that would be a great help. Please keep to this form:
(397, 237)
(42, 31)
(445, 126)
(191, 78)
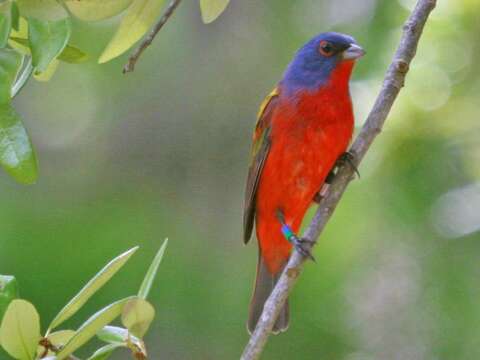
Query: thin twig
(393, 82)
(132, 60)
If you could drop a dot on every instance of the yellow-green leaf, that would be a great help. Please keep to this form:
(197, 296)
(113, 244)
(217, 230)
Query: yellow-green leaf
(20, 33)
(16, 151)
(47, 74)
(70, 54)
(20, 331)
(47, 40)
(137, 316)
(90, 328)
(152, 272)
(8, 292)
(42, 9)
(93, 10)
(138, 19)
(92, 287)
(211, 9)
(57, 339)
(60, 338)
(105, 352)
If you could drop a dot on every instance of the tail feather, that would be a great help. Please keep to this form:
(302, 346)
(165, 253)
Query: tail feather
(264, 284)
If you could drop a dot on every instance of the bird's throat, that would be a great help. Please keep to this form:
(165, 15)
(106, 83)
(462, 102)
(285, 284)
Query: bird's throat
(340, 76)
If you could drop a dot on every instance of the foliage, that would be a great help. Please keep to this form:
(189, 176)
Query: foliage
(34, 38)
(20, 334)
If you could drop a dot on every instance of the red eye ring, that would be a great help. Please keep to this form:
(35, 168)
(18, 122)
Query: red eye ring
(326, 48)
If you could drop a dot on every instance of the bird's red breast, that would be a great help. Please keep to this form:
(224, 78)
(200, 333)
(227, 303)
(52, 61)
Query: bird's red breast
(309, 131)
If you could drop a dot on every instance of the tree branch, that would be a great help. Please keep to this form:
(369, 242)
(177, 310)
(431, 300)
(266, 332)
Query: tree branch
(393, 82)
(147, 41)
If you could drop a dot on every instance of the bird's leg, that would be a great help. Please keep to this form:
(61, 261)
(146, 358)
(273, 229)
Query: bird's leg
(302, 245)
(345, 158)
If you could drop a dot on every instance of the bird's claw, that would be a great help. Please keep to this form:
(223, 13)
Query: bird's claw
(303, 246)
(348, 158)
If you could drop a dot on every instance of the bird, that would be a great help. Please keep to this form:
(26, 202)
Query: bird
(303, 128)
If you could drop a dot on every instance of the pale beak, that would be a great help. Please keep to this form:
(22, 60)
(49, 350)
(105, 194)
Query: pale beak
(353, 52)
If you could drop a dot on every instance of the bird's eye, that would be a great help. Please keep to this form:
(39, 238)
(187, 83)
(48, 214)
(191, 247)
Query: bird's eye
(326, 48)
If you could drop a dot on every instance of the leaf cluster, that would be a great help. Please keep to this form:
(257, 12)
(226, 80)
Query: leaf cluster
(20, 330)
(35, 39)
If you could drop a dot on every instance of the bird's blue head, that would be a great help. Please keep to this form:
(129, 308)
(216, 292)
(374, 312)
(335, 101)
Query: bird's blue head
(315, 61)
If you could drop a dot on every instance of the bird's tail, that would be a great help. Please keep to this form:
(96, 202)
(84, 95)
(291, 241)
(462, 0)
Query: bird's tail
(264, 284)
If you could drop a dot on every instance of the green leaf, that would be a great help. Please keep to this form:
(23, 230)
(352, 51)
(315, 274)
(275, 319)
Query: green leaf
(91, 327)
(115, 334)
(8, 292)
(20, 331)
(211, 9)
(47, 40)
(152, 272)
(105, 352)
(10, 62)
(5, 23)
(138, 19)
(92, 287)
(42, 9)
(15, 14)
(16, 151)
(70, 54)
(137, 316)
(93, 10)
(57, 339)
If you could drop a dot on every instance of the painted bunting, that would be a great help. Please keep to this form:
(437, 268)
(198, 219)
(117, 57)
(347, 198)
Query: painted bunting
(304, 126)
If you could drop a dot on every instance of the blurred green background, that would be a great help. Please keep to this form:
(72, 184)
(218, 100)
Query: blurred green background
(163, 152)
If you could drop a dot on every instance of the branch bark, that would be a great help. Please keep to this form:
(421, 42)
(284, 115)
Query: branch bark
(147, 41)
(393, 82)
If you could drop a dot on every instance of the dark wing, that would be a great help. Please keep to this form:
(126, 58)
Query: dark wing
(260, 148)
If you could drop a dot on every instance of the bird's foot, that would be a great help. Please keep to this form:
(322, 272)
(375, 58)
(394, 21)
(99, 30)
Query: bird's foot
(347, 158)
(302, 245)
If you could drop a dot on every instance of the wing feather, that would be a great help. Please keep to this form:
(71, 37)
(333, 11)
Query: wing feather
(260, 149)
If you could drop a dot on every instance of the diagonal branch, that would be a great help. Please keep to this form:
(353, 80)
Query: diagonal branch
(393, 82)
(147, 41)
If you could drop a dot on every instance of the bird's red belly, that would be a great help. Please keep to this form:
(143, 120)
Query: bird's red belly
(301, 155)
